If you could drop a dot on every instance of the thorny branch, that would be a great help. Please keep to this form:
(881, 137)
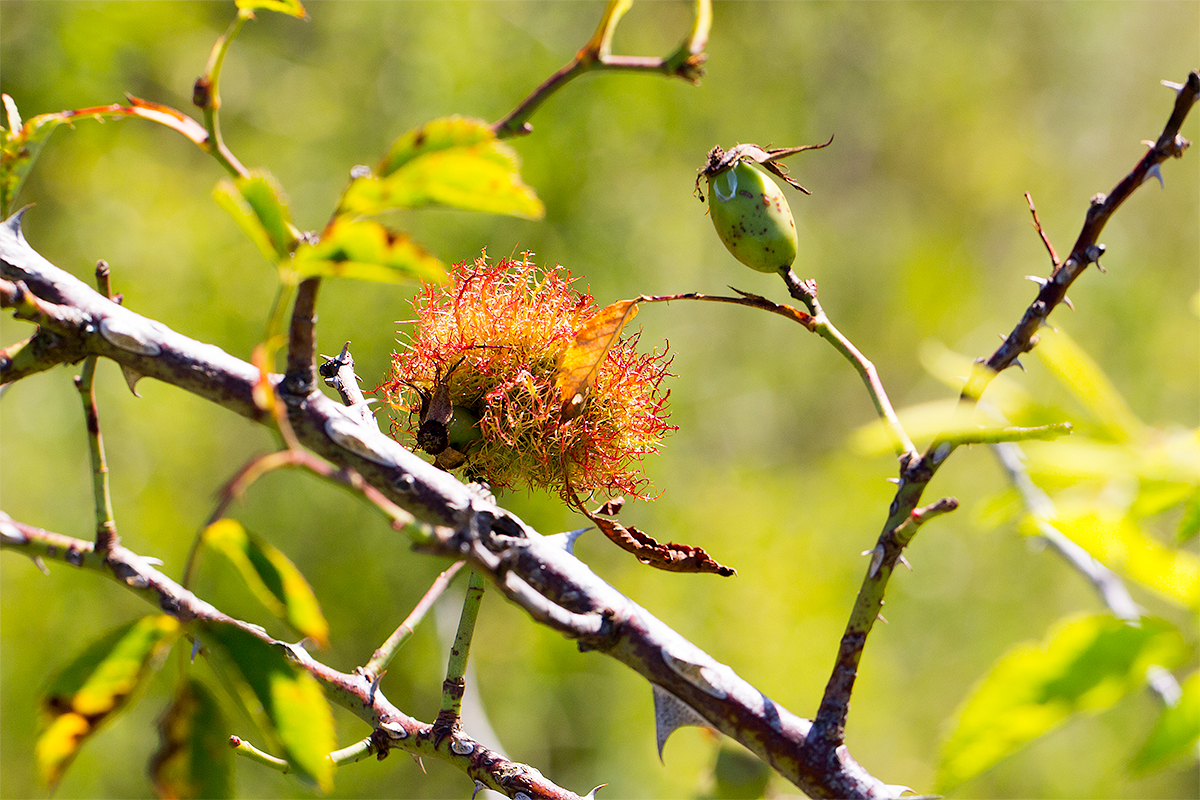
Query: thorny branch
(356, 692)
(1108, 584)
(537, 573)
(916, 473)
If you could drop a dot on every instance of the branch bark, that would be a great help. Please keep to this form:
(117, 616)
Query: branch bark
(916, 473)
(533, 571)
(357, 692)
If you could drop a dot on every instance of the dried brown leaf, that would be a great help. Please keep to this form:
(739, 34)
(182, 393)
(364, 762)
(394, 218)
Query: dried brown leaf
(611, 508)
(671, 556)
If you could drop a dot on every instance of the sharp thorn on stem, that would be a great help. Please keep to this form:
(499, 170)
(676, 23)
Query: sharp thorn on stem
(1155, 172)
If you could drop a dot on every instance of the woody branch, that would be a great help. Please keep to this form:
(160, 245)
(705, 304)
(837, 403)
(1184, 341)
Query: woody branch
(533, 571)
(916, 473)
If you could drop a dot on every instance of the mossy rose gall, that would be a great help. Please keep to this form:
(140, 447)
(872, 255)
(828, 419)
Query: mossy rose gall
(475, 387)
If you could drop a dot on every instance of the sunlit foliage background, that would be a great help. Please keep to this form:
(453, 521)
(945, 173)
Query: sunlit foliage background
(944, 113)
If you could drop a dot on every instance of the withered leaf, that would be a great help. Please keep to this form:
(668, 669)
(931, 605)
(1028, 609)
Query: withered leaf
(612, 507)
(579, 363)
(671, 556)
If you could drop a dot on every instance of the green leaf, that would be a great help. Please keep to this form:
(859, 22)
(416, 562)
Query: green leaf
(273, 578)
(95, 686)
(21, 146)
(454, 161)
(366, 250)
(1083, 377)
(739, 774)
(289, 7)
(952, 421)
(1168, 457)
(194, 759)
(259, 206)
(1189, 524)
(23, 141)
(1085, 665)
(1176, 733)
(297, 711)
(1120, 542)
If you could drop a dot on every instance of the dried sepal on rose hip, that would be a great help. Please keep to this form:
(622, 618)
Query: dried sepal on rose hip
(748, 209)
(475, 387)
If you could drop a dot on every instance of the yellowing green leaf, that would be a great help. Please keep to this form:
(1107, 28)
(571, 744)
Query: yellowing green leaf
(739, 774)
(1189, 523)
(272, 577)
(1120, 543)
(259, 206)
(194, 759)
(22, 141)
(579, 362)
(1175, 734)
(366, 250)
(298, 713)
(270, 204)
(58, 744)
(454, 161)
(1085, 665)
(952, 421)
(1164, 459)
(229, 198)
(95, 686)
(954, 370)
(1083, 377)
(289, 7)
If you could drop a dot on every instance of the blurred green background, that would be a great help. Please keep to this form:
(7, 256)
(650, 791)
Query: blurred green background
(944, 114)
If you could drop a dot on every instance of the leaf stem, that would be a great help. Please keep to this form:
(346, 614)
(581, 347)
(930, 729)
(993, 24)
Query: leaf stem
(806, 293)
(456, 667)
(684, 62)
(206, 96)
(249, 751)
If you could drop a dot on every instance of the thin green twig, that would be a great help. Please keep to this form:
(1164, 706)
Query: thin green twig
(249, 751)
(106, 526)
(806, 293)
(684, 62)
(383, 656)
(207, 97)
(456, 667)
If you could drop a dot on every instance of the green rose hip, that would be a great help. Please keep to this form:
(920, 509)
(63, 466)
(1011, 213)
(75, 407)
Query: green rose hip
(752, 217)
(748, 208)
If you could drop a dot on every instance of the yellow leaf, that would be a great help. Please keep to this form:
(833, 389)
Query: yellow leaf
(579, 363)
(57, 746)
